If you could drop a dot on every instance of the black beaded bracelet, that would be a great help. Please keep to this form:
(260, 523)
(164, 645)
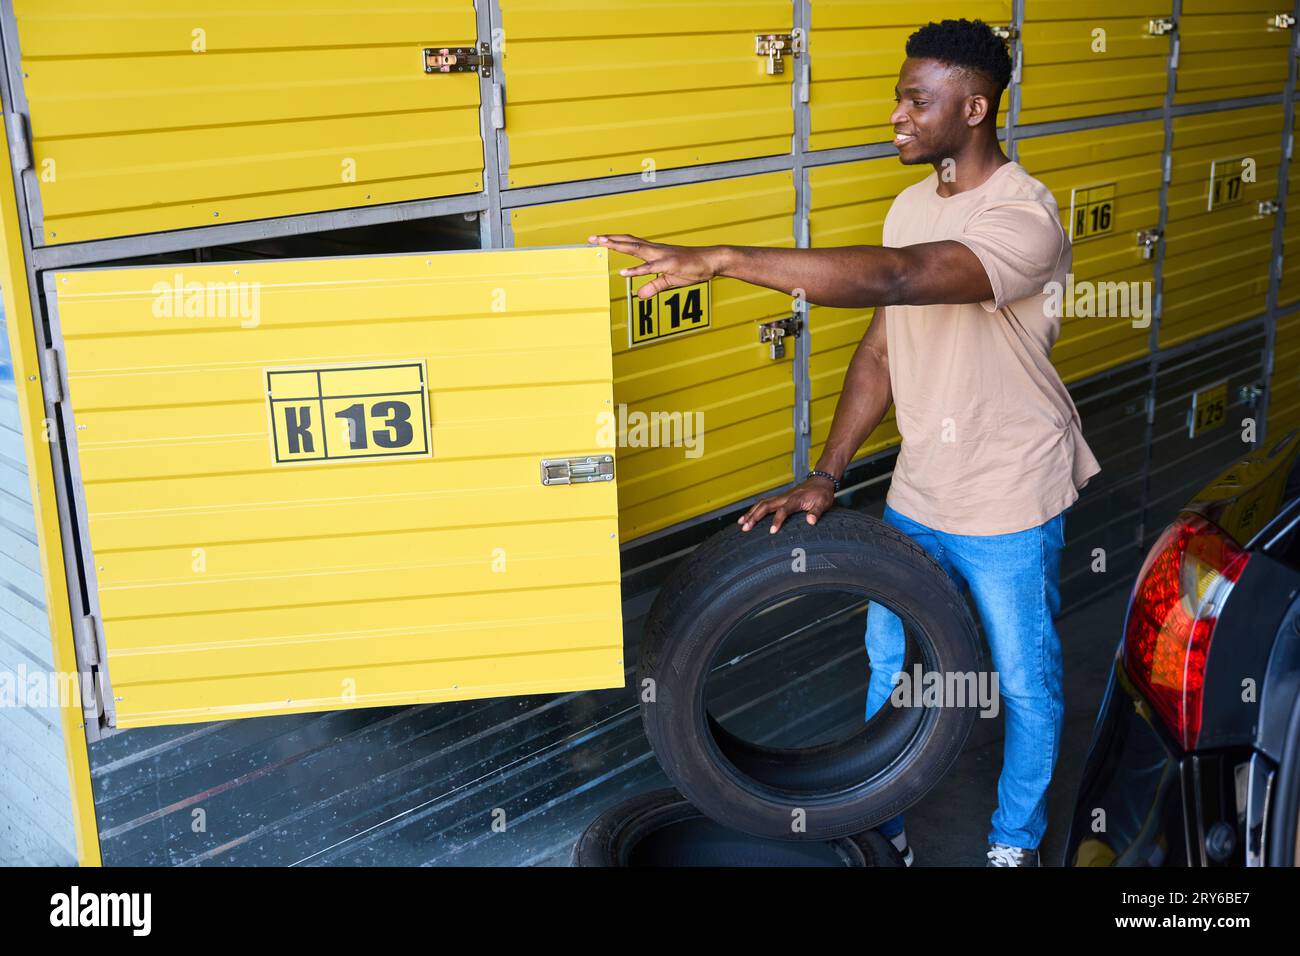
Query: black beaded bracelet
(823, 474)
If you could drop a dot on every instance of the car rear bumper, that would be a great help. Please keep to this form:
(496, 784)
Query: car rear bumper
(1144, 802)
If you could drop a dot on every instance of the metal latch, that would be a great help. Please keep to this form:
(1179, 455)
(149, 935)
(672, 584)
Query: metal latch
(574, 471)
(1281, 21)
(1268, 207)
(1004, 33)
(458, 59)
(1147, 239)
(775, 333)
(775, 46)
(1161, 26)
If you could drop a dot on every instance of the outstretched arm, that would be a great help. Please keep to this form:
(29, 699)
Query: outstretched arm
(927, 273)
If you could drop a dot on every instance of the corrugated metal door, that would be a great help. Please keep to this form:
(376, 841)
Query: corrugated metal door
(598, 89)
(1086, 59)
(147, 117)
(1231, 48)
(855, 49)
(317, 484)
(1219, 241)
(1108, 191)
(724, 404)
(848, 206)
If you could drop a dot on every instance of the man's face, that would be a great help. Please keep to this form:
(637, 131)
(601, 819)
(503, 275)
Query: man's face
(931, 120)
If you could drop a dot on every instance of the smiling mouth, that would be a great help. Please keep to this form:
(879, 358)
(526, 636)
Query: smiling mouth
(902, 139)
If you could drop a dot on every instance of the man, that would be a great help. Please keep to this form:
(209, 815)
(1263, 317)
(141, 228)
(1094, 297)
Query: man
(992, 451)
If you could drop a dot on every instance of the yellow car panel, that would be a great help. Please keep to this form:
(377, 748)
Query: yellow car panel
(721, 377)
(232, 586)
(147, 117)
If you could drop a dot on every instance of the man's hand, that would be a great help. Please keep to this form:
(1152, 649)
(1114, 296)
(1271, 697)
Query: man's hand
(676, 265)
(813, 496)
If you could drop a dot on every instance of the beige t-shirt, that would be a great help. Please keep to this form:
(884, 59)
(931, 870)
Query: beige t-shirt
(992, 442)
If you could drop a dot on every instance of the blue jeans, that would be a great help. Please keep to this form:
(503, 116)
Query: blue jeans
(1015, 582)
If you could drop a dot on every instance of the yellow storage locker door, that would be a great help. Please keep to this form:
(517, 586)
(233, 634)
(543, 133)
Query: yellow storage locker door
(1219, 238)
(1284, 386)
(601, 89)
(317, 484)
(146, 116)
(1232, 48)
(1107, 56)
(705, 414)
(849, 202)
(856, 48)
(1107, 186)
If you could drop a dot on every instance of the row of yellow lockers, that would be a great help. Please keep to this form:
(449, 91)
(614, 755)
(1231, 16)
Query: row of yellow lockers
(146, 117)
(1107, 184)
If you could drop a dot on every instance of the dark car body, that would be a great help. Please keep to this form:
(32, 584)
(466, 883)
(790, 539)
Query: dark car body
(1231, 798)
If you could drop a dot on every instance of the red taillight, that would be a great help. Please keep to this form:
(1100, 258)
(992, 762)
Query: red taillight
(1179, 593)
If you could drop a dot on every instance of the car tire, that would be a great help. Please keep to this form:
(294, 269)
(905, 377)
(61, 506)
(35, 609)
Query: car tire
(835, 789)
(662, 828)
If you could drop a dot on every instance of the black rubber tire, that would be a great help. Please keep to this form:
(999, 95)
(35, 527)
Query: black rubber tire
(845, 787)
(662, 828)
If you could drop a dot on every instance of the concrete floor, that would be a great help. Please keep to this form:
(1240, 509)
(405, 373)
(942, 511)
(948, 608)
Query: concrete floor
(950, 826)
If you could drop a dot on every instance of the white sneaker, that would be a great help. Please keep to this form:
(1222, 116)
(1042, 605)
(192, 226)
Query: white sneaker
(1002, 855)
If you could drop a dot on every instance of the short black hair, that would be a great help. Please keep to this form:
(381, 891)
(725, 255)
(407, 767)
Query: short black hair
(966, 44)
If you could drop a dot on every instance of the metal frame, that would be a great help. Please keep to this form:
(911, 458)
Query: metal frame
(58, 406)
(800, 94)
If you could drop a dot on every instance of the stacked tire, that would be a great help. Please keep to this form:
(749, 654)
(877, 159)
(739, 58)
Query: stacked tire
(820, 796)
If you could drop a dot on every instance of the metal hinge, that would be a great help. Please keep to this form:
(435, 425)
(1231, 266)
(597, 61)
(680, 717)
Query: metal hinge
(775, 46)
(576, 471)
(805, 417)
(1281, 21)
(775, 333)
(20, 144)
(1268, 207)
(88, 641)
(1161, 26)
(1005, 33)
(459, 59)
(52, 376)
(1147, 239)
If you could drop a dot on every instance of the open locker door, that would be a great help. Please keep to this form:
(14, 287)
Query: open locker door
(307, 485)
